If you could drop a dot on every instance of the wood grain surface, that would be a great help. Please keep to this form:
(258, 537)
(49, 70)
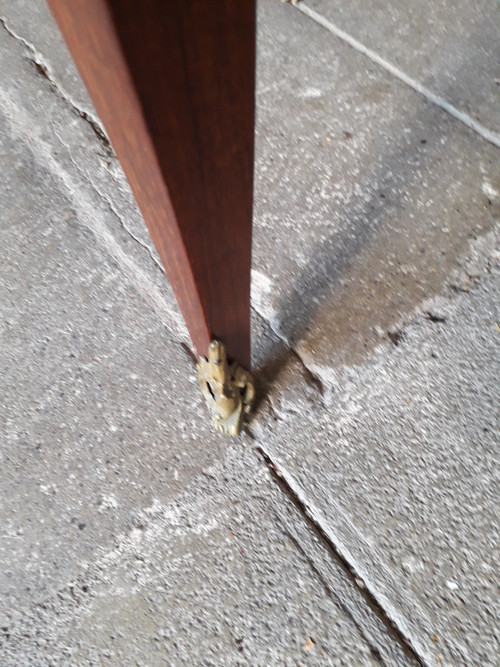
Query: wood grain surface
(173, 82)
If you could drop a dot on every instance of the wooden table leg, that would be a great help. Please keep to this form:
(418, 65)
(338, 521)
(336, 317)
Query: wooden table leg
(173, 82)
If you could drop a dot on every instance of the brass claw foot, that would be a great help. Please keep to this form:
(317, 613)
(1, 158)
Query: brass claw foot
(228, 389)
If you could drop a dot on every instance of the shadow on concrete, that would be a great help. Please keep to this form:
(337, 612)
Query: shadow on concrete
(349, 293)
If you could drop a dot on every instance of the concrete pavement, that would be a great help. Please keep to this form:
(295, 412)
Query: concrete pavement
(356, 522)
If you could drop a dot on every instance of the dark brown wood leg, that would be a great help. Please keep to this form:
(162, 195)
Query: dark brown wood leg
(173, 83)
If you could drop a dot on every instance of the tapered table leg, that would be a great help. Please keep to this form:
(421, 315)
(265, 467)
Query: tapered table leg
(173, 83)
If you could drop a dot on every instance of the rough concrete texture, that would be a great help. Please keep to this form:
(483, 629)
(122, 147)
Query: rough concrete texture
(390, 189)
(452, 48)
(355, 523)
(402, 472)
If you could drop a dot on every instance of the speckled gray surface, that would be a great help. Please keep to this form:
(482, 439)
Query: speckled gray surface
(367, 195)
(450, 47)
(400, 464)
(356, 523)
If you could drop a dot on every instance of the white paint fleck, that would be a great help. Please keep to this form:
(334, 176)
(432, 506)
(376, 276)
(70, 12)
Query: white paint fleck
(262, 289)
(490, 191)
(107, 502)
(309, 93)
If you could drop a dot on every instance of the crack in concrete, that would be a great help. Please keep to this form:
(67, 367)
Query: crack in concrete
(127, 230)
(394, 622)
(310, 377)
(109, 204)
(22, 128)
(43, 68)
(374, 650)
(121, 221)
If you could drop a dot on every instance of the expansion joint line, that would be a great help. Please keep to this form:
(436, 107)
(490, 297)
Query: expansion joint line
(471, 123)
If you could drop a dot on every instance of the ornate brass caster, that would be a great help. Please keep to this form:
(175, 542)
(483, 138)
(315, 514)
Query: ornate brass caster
(228, 389)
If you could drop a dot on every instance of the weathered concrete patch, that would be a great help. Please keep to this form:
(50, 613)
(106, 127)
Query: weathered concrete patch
(450, 47)
(367, 196)
(134, 533)
(399, 465)
(224, 573)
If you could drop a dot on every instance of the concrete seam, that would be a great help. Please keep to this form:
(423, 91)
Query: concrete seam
(46, 71)
(110, 205)
(400, 624)
(468, 121)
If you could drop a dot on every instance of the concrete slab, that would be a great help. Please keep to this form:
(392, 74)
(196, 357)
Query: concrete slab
(450, 47)
(217, 575)
(400, 467)
(366, 194)
(142, 536)
(131, 533)
(372, 203)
